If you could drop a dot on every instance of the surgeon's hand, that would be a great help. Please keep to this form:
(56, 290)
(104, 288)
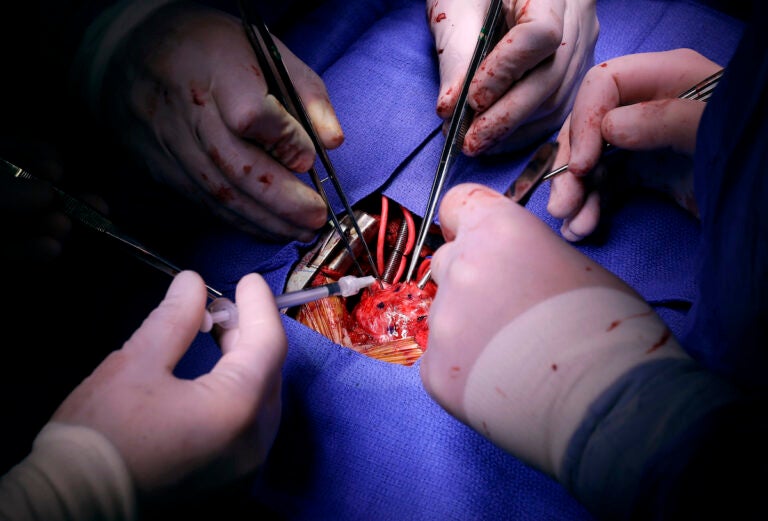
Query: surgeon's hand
(199, 114)
(525, 331)
(632, 103)
(185, 435)
(524, 88)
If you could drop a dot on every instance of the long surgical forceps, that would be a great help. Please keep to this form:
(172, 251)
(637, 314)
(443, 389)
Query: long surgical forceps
(85, 214)
(281, 86)
(457, 129)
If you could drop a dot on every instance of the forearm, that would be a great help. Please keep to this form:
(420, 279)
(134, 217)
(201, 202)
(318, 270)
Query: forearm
(72, 473)
(632, 455)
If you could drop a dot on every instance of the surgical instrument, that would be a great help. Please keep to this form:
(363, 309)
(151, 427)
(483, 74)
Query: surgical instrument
(702, 91)
(84, 213)
(221, 311)
(531, 177)
(524, 185)
(459, 123)
(224, 311)
(281, 86)
(534, 173)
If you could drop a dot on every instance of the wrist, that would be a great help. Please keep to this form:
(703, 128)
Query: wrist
(532, 385)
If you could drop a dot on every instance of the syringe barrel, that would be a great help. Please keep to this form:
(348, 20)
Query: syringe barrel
(296, 298)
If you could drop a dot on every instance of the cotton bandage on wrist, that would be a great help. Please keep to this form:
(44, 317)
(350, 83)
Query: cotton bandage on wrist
(73, 472)
(532, 384)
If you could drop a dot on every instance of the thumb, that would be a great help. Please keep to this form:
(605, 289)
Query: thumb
(254, 351)
(167, 332)
(654, 124)
(466, 206)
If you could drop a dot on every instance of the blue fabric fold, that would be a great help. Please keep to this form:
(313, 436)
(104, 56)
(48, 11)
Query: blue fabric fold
(360, 439)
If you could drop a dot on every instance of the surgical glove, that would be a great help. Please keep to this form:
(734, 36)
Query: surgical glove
(186, 93)
(632, 103)
(525, 331)
(178, 435)
(524, 88)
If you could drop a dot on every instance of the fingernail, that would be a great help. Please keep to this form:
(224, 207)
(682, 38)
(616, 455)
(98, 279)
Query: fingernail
(568, 234)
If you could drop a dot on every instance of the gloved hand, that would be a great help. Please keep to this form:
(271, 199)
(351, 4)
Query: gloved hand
(186, 92)
(179, 434)
(525, 87)
(525, 331)
(632, 103)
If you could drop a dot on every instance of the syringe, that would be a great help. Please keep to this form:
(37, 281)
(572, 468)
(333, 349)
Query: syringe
(223, 311)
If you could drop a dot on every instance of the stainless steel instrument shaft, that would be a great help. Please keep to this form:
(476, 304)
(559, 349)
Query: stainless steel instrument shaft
(281, 86)
(457, 129)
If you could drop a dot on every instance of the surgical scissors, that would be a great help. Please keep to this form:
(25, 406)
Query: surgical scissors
(457, 128)
(281, 86)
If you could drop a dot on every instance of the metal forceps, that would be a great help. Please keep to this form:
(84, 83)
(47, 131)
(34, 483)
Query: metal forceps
(527, 182)
(281, 86)
(457, 129)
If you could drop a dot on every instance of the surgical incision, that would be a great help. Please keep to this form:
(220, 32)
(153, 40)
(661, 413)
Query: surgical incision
(387, 320)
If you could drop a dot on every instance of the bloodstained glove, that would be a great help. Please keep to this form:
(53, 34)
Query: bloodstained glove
(632, 103)
(552, 357)
(184, 90)
(525, 87)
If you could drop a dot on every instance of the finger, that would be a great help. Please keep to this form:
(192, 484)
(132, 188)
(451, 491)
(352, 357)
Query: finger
(563, 144)
(525, 109)
(654, 75)
(254, 351)
(536, 33)
(626, 80)
(165, 335)
(314, 96)
(517, 105)
(566, 192)
(654, 124)
(249, 112)
(566, 195)
(455, 26)
(214, 197)
(467, 205)
(584, 222)
(193, 167)
(266, 191)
